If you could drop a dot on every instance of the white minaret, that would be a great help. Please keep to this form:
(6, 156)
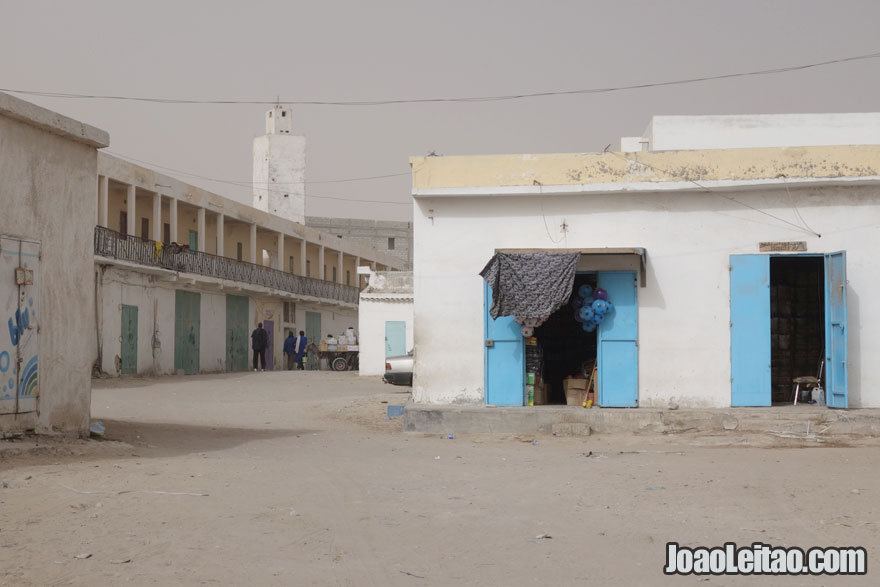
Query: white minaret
(280, 168)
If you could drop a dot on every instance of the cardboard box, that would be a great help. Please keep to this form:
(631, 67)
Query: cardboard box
(575, 384)
(540, 394)
(575, 390)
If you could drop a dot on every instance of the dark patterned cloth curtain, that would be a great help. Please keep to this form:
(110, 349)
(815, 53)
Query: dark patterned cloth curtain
(530, 285)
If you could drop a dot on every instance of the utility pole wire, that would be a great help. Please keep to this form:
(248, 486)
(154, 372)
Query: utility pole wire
(498, 98)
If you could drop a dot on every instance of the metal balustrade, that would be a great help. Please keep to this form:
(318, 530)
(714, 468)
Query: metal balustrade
(115, 245)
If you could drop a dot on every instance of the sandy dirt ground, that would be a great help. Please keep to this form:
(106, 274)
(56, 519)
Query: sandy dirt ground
(300, 479)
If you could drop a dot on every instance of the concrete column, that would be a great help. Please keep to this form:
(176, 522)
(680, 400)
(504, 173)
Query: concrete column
(103, 199)
(130, 209)
(373, 265)
(321, 262)
(280, 247)
(221, 241)
(172, 218)
(303, 249)
(340, 278)
(157, 217)
(253, 243)
(357, 278)
(200, 215)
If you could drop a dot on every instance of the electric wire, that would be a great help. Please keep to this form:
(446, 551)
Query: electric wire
(795, 208)
(497, 98)
(266, 188)
(722, 195)
(247, 183)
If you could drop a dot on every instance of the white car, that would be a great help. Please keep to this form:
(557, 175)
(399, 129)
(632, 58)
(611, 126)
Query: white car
(398, 370)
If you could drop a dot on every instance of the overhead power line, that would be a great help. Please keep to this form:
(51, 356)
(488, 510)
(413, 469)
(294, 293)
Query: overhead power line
(264, 187)
(498, 98)
(249, 183)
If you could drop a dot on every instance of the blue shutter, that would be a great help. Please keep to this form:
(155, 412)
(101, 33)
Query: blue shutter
(504, 359)
(617, 348)
(835, 330)
(750, 330)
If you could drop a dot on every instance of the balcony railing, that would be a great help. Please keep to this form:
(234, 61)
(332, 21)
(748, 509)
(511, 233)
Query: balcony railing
(115, 245)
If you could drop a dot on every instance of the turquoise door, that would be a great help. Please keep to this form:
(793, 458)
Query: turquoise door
(193, 240)
(187, 331)
(835, 330)
(236, 333)
(617, 342)
(750, 330)
(504, 357)
(395, 339)
(313, 327)
(129, 339)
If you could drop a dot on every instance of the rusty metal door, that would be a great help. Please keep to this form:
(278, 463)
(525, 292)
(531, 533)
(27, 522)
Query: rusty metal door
(19, 342)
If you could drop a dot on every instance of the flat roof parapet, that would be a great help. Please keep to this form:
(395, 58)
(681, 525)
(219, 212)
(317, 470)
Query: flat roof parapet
(50, 121)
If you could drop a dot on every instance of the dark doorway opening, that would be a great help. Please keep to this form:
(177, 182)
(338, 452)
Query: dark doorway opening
(566, 348)
(797, 322)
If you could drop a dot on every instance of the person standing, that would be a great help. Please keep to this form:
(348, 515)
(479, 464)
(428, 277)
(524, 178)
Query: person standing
(290, 350)
(299, 349)
(259, 342)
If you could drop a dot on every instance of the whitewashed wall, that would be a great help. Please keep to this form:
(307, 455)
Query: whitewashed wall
(155, 318)
(684, 312)
(371, 319)
(737, 131)
(212, 333)
(47, 191)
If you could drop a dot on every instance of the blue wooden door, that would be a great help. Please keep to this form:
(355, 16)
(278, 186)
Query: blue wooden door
(835, 330)
(617, 342)
(395, 338)
(750, 356)
(505, 360)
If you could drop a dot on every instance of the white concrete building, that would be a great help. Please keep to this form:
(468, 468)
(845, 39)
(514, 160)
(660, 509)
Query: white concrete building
(732, 272)
(280, 168)
(48, 168)
(385, 319)
(740, 131)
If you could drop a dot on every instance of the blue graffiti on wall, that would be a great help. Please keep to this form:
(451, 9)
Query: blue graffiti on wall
(22, 321)
(28, 381)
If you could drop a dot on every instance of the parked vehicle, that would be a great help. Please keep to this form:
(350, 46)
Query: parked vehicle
(398, 370)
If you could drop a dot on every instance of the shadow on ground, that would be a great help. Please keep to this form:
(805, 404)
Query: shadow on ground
(159, 439)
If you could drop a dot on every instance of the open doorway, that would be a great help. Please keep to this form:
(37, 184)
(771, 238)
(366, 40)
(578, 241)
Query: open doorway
(564, 348)
(797, 323)
(787, 312)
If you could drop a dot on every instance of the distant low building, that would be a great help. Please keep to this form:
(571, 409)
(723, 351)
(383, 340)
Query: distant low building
(385, 319)
(393, 238)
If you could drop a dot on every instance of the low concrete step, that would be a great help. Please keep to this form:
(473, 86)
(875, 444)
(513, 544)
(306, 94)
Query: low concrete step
(577, 421)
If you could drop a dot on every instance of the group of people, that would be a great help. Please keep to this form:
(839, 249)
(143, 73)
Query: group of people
(294, 348)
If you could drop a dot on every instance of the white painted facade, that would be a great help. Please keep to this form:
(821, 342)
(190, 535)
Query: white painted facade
(48, 172)
(280, 168)
(739, 131)
(387, 298)
(684, 308)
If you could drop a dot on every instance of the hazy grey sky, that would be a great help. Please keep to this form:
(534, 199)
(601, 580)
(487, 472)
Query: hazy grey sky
(327, 50)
